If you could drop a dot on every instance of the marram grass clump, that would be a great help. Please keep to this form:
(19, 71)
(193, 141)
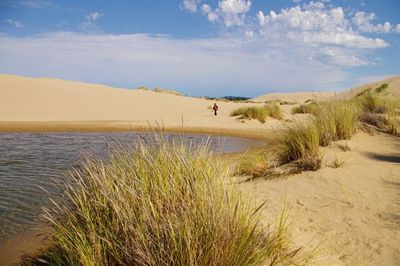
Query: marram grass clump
(164, 203)
(259, 112)
(337, 120)
(309, 108)
(299, 142)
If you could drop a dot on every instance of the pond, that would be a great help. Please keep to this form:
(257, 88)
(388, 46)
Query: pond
(29, 163)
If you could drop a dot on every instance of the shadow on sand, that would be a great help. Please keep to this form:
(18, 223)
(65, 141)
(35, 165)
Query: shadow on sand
(391, 158)
(392, 215)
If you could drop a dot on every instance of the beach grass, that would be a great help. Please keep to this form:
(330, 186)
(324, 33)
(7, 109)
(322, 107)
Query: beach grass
(259, 112)
(382, 88)
(308, 108)
(337, 120)
(299, 142)
(162, 203)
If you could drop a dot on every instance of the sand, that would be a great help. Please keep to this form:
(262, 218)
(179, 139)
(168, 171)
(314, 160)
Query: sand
(294, 97)
(393, 89)
(40, 101)
(350, 212)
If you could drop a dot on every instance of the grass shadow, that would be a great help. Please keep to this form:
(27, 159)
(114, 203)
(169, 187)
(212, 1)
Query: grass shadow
(391, 158)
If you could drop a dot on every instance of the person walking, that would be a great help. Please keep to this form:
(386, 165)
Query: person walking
(215, 108)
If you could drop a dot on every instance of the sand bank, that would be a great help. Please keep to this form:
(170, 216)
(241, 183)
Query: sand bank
(352, 212)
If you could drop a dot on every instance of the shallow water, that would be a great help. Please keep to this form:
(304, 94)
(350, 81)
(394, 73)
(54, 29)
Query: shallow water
(29, 162)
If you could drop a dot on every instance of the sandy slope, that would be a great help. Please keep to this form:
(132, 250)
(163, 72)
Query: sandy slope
(351, 212)
(392, 91)
(295, 97)
(301, 97)
(51, 100)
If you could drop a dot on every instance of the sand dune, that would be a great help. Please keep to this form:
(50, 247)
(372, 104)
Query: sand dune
(393, 89)
(41, 100)
(294, 97)
(37, 100)
(301, 97)
(351, 211)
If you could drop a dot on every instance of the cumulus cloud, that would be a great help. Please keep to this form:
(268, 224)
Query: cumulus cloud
(212, 16)
(89, 24)
(230, 12)
(190, 5)
(213, 66)
(364, 23)
(325, 30)
(13, 22)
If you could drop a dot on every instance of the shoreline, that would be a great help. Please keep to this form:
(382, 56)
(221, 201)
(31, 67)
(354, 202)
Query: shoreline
(29, 242)
(120, 126)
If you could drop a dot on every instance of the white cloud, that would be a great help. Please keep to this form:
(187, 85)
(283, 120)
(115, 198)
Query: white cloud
(234, 6)
(31, 4)
(323, 32)
(190, 5)
(261, 18)
(347, 39)
(230, 12)
(342, 57)
(89, 24)
(93, 16)
(315, 24)
(397, 29)
(309, 18)
(249, 33)
(362, 21)
(213, 66)
(212, 16)
(13, 22)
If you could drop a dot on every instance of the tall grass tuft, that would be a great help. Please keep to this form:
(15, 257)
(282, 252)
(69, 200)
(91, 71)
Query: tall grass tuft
(164, 203)
(299, 142)
(274, 111)
(393, 121)
(252, 112)
(371, 102)
(310, 108)
(337, 120)
(259, 112)
(381, 88)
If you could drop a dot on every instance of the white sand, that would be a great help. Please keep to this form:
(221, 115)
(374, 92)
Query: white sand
(294, 97)
(393, 89)
(352, 212)
(51, 100)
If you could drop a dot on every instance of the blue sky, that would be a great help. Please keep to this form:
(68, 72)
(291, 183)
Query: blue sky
(203, 47)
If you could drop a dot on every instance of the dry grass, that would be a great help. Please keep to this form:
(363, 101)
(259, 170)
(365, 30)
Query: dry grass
(259, 112)
(371, 102)
(310, 108)
(343, 147)
(337, 162)
(380, 112)
(162, 204)
(382, 88)
(337, 120)
(274, 111)
(392, 118)
(252, 112)
(255, 165)
(299, 142)
(160, 90)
